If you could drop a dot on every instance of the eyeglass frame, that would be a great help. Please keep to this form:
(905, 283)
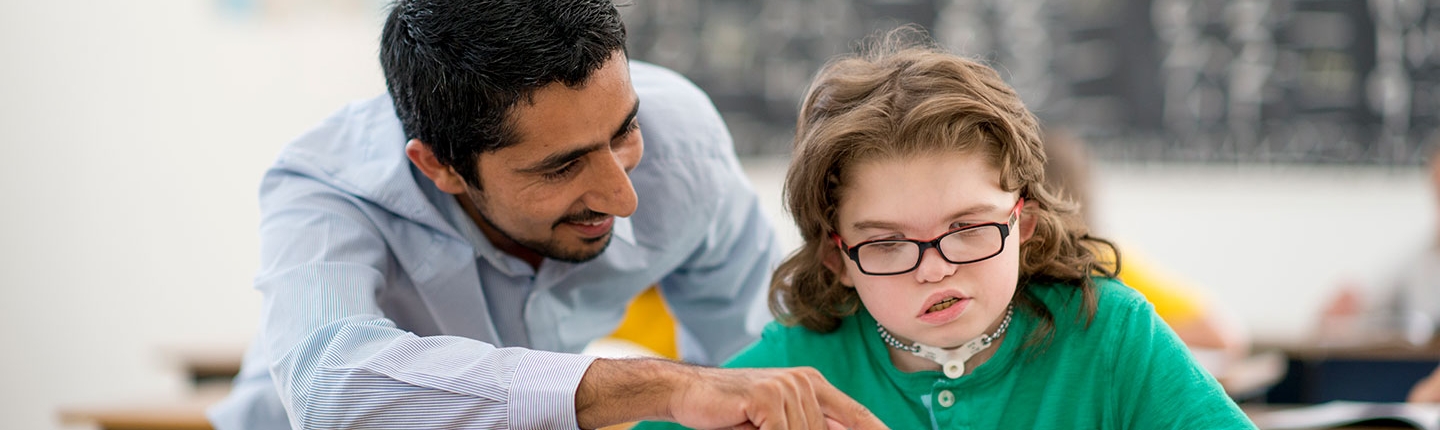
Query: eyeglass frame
(853, 252)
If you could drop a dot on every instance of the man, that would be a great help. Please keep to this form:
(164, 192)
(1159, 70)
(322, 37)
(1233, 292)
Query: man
(424, 253)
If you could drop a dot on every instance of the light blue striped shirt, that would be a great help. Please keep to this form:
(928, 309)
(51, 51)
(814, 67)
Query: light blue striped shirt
(385, 308)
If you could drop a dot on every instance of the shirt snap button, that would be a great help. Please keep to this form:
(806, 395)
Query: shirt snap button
(947, 398)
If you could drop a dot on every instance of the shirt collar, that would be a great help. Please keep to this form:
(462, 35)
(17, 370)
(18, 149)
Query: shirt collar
(505, 263)
(623, 230)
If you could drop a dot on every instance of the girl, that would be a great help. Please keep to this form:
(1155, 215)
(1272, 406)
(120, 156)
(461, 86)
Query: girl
(942, 285)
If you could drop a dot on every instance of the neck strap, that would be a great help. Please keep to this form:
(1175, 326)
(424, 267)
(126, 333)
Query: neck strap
(951, 360)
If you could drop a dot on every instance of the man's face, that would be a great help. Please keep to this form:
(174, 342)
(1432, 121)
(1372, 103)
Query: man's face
(557, 192)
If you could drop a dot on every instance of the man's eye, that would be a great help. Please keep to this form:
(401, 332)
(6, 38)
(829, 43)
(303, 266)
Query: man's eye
(628, 135)
(563, 172)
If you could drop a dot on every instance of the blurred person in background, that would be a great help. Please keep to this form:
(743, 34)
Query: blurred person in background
(1205, 326)
(436, 257)
(1427, 390)
(1406, 308)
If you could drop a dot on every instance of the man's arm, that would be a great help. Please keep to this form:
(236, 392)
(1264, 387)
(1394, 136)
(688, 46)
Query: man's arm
(618, 391)
(338, 362)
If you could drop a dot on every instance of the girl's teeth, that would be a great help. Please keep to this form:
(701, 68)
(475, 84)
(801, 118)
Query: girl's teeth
(944, 304)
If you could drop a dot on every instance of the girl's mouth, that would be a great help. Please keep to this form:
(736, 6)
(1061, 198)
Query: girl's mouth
(944, 304)
(945, 310)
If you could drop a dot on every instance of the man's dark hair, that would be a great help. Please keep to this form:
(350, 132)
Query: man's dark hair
(456, 68)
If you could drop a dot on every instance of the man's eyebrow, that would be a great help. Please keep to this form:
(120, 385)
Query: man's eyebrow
(625, 125)
(556, 161)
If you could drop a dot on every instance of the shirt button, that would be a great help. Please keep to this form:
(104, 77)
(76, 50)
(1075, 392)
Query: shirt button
(947, 399)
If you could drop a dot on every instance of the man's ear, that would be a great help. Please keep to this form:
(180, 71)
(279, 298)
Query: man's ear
(444, 176)
(831, 258)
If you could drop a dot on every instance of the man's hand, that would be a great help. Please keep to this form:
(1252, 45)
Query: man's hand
(766, 399)
(615, 391)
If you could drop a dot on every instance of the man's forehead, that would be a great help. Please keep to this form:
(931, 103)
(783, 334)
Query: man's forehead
(569, 132)
(565, 121)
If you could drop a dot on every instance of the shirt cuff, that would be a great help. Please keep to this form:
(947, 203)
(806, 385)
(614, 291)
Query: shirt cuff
(542, 394)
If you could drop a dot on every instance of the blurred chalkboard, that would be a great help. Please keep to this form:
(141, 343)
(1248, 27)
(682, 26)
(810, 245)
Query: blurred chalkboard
(1310, 81)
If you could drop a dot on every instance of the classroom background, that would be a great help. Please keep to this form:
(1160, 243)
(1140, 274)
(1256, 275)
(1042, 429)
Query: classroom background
(1267, 151)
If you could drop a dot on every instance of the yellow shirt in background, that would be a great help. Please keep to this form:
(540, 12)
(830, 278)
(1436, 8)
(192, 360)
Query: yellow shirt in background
(648, 323)
(1175, 301)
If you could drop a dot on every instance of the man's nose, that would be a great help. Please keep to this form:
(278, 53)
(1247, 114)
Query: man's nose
(610, 189)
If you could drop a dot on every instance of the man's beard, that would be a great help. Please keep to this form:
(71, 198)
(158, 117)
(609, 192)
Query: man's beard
(550, 249)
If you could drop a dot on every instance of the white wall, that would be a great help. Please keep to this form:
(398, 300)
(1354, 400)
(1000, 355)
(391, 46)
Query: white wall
(1272, 243)
(134, 137)
(135, 133)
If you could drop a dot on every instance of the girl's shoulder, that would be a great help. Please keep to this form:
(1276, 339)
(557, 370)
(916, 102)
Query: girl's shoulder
(1109, 292)
(1116, 296)
(1114, 301)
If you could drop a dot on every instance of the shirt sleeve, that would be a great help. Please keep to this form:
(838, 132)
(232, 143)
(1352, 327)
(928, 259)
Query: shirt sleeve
(1161, 385)
(338, 362)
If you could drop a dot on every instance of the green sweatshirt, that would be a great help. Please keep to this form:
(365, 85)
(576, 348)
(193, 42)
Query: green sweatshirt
(1126, 370)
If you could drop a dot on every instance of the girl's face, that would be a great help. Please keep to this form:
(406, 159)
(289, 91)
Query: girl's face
(922, 197)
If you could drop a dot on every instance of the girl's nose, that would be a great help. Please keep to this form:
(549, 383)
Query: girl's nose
(933, 267)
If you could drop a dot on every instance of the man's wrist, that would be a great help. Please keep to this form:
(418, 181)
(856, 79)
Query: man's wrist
(615, 391)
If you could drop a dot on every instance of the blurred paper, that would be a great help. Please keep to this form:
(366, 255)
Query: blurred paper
(1342, 413)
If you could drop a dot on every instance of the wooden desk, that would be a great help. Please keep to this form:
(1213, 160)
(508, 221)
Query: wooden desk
(206, 364)
(209, 367)
(186, 414)
(1381, 351)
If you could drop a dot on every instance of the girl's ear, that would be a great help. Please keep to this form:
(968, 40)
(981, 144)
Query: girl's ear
(1027, 226)
(830, 256)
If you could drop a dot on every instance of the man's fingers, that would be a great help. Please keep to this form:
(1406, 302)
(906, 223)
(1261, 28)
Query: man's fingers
(844, 410)
(814, 414)
(796, 405)
(768, 399)
(787, 407)
(794, 412)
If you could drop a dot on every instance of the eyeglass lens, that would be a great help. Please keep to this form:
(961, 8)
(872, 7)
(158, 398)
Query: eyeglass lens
(960, 246)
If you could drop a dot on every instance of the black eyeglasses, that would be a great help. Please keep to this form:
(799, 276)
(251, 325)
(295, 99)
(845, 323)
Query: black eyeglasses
(963, 245)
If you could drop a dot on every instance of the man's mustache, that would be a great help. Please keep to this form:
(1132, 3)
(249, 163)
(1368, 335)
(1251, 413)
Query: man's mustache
(585, 216)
